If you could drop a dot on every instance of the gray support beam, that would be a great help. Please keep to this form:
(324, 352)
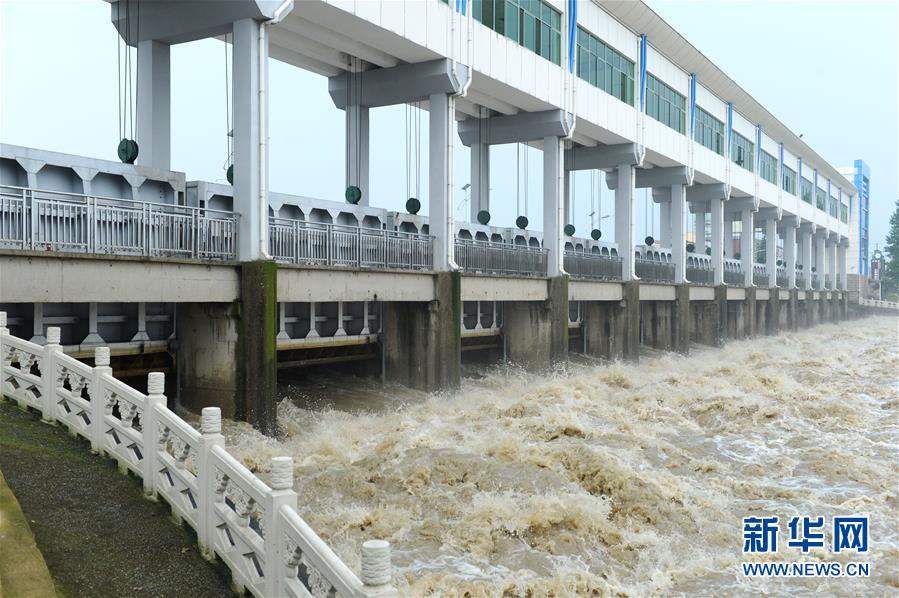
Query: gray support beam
(440, 194)
(654, 177)
(699, 231)
(515, 128)
(154, 105)
(771, 251)
(746, 245)
(248, 118)
(624, 224)
(480, 178)
(665, 223)
(601, 157)
(399, 84)
(553, 205)
(832, 260)
(677, 226)
(790, 253)
(716, 207)
(357, 143)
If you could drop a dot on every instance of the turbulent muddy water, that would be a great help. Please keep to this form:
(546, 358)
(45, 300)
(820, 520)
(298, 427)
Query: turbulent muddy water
(610, 478)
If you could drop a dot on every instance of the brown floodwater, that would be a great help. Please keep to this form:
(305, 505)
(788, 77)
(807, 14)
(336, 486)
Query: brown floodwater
(607, 479)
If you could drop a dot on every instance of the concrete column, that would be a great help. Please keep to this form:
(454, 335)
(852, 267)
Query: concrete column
(553, 205)
(604, 329)
(746, 245)
(805, 240)
(682, 319)
(441, 123)
(841, 265)
(207, 357)
(422, 341)
(717, 240)
(93, 335)
(249, 116)
(357, 143)
(480, 179)
(771, 251)
(665, 224)
(535, 333)
(699, 232)
(790, 255)
(141, 334)
(677, 223)
(819, 258)
(154, 105)
(832, 261)
(257, 365)
(624, 220)
(630, 304)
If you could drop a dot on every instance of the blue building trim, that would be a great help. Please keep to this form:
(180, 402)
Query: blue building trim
(643, 73)
(758, 150)
(692, 106)
(730, 129)
(572, 33)
(780, 165)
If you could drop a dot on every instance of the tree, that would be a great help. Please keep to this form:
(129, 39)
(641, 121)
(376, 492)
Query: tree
(890, 275)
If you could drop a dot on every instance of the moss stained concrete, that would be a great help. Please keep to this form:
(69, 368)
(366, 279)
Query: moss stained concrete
(98, 534)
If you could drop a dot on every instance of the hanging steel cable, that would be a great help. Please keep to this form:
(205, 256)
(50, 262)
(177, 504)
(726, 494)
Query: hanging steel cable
(127, 149)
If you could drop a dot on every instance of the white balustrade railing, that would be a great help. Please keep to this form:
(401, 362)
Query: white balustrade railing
(878, 303)
(45, 220)
(251, 526)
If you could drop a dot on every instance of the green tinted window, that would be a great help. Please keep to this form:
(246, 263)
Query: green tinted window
(789, 180)
(806, 190)
(666, 105)
(821, 199)
(741, 151)
(709, 131)
(603, 67)
(531, 23)
(768, 168)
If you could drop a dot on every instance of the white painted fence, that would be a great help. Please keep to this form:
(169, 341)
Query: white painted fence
(878, 303)
(253, 527)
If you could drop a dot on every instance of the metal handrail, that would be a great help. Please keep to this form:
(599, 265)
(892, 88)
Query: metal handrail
(701, 276)
(592, 265)
(651, 270)
(490, 257)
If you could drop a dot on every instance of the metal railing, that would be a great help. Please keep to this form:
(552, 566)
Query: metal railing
(591, 265)
(701, 276)
(782, 278)
(42, 220)
(827, 279)
(814, 281)
(760, 279)
(734, 278)
(839, 282)
(302, 242)
(800, 279)
(653, 271)
(491, 257)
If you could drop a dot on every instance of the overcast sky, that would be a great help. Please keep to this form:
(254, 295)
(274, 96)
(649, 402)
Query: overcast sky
(828, 70)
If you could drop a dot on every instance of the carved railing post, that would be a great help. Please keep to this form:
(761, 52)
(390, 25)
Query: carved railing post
(149, 429)
(211, 431)
(377, 572)
(282, 494)
(48, 374)
(98, 397)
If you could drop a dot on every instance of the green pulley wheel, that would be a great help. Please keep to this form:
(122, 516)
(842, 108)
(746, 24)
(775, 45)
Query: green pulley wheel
(413, 206)
(814, 269)
(521, 222)
(691, 247)
(229, 174)
(596, 234)
(353, 194)
(568, 230)
(484, 217)
(128, 151)
(649, 240)
(780, 262)
(708, 251)
(737, 255)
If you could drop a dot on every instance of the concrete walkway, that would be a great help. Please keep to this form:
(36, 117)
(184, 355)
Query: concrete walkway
(98, 534)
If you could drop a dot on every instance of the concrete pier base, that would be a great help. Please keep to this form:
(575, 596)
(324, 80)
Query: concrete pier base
(207, 350)
(604, 329)
(422, 341)
(704, 326)
(630, 304)
(681, 319)
(721, 302)
(257, 366)
(792, 308)
(749, 313)
(658, 324)
(772, 313)
(535, 333)
(736, 328)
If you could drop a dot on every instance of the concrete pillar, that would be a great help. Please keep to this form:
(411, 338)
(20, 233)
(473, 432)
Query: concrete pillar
(771, 252)
(832, 261)
(717, 241)
(249, 117)
(805, 238)
(631, 307)
(480, 179)
(665, 224)
(749, 313)
(422, 341)
(790, 255)
(141, 334)
(553, 205)
(624, 220)
(441, 125)
(93, 335)
(699, 232)
(841, 265)
(704, 322)
(772, 315)
(207, 357)
(819, 258)
(357, 144)
(723, 315)
(746, 245)
(154, 105)
(682, 319)
(793, 307)
(678, 209)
